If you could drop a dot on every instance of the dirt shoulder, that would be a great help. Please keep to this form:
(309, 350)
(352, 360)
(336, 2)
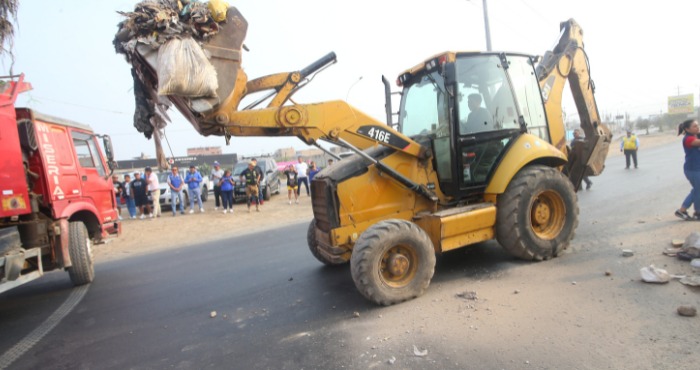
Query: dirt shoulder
(168, 232)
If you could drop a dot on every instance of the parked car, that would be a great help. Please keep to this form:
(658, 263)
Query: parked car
(271, 183)
(165, 197)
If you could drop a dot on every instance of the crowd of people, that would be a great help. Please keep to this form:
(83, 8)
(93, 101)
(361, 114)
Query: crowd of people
(141, 195)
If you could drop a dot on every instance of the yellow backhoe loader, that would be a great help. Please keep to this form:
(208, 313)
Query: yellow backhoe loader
(479, 152)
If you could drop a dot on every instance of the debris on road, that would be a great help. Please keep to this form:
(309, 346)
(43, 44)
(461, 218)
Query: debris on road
(651, 274)
(608, 273)
(627, 253)
(469, 295)
(355, 314)
(391, 360)
(418, 352)
(690, 280)
(688, 311)
(677, 243)
(212, 314)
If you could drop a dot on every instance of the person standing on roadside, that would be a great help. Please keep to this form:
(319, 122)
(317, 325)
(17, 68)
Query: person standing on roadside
(118, 193)
(193, 179)
(330, 162)
(261, 177)
(303, 175)
(154, 190)
(139, 188)
(292, 184)
(226, 184)
(215, 178)
(251, 177)
(175, 182)
(691, 168)
(578, 136)
(129, 197)
(629, 145)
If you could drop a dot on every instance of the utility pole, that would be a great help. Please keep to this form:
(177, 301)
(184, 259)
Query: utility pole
(486, 27)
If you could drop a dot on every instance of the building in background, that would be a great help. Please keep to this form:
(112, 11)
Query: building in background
(205, 150)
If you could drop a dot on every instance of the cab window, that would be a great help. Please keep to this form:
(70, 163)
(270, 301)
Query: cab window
(527, 91)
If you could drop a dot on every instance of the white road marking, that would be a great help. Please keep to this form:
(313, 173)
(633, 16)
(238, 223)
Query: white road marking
(35, 336)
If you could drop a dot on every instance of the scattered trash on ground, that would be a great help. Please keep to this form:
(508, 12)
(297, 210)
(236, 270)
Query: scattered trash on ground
(690, 280)
(651, 274)
(391, 360)
(355, 314)
(688, 311)
(419, 353)
(627, 253)
(677, 243)
(212, 314)
(469, 295)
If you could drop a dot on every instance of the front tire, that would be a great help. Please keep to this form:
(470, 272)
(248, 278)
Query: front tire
(82, 270)
(537, 215)
(392, 261)
(266, 193)
(205, 194)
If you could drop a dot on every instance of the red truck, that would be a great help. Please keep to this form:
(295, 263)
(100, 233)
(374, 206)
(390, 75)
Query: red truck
(56, 193)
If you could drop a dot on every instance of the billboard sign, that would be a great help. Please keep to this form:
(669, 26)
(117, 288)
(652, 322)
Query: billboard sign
(681, 104)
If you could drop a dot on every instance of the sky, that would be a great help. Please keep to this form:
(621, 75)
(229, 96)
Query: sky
(640, 53)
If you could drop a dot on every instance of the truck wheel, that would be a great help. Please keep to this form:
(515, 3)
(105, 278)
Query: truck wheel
(392, 261)
(79, 247)
(313, 246)
(205, 194)
(266, 192)
(537, 215)
(186, 199)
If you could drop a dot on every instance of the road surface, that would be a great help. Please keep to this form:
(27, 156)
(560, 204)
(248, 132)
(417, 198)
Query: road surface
(278, 308)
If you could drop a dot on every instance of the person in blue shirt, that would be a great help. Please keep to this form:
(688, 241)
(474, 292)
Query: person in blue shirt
(175, 182)
(691, 168)
(226, 189)
(193, 179)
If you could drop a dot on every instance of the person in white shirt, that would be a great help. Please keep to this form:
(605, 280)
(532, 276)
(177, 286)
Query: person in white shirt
(154, 189)
(303, 175)
(215, 177)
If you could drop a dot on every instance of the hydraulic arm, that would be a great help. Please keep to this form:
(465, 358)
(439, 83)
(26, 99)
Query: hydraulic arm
(568, 62)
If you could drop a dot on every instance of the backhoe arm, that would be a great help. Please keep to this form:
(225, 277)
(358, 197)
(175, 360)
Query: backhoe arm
(334, 121)
(568, 61)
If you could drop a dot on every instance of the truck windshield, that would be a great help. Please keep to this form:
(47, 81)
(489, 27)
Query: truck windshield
(424, 108)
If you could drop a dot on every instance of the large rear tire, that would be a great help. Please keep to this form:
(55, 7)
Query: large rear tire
(537, 215)
(82, 270)
(392, 261)
(313, 246)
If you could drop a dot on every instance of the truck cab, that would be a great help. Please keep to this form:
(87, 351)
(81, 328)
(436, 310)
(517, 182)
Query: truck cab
(57, 196)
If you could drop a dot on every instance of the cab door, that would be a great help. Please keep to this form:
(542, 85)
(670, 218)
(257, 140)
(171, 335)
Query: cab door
(91, 167)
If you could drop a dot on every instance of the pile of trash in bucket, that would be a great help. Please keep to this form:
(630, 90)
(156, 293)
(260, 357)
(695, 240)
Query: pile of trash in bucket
(171, 45)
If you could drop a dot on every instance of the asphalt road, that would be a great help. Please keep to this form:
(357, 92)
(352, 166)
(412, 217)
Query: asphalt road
(153, 311)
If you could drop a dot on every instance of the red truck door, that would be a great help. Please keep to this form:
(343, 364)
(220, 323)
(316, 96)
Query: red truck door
(93, 174)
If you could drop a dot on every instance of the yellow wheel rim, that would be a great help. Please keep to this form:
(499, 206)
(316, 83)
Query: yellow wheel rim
(548, 215)
(398, 266)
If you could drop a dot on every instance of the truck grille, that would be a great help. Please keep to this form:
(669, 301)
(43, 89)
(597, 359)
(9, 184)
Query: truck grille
(325, 204)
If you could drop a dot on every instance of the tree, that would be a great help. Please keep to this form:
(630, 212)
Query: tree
(643, 124)
(8, 10)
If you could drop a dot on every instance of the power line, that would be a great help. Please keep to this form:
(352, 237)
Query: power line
(34, 98)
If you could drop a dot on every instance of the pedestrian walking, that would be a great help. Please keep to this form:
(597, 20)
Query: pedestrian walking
(261, 175)
(691, 168)
(629, 145)
(129, 197)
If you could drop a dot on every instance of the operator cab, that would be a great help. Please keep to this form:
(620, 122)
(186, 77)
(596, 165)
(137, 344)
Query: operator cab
(468, 107)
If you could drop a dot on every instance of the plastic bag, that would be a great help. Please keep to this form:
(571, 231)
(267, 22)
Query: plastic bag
(184, 70)
(218, 10)
(652, 274)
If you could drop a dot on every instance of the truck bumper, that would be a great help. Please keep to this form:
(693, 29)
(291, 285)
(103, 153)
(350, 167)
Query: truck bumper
(112, 229)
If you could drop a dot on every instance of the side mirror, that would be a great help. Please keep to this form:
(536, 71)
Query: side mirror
(109, 151)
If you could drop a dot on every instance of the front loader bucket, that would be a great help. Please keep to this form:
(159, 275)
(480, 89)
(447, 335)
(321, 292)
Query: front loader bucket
(224, 51)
